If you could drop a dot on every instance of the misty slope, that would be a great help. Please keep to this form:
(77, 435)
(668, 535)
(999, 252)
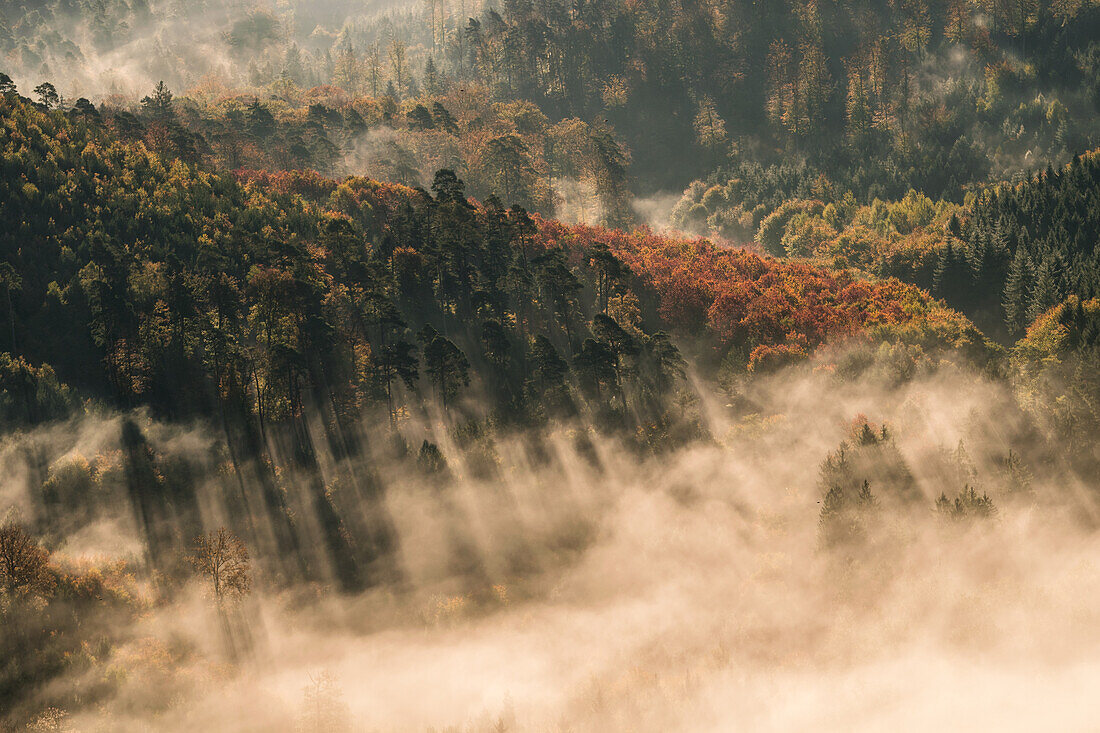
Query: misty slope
(476, 484)
(689, 591)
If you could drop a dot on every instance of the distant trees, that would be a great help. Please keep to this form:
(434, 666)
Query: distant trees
(397, 50)
(1045, 291)
(263, 294)
(323, 708)
(1003, 259)
(1017, 292)
(1054, 371)
(7, 86)
(158, 106)
(506, 164)
(868, 491)
(800, 85)
(967, 505)
(836, 81)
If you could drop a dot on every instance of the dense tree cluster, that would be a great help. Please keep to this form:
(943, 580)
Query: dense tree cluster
(57, 615)
(764, 313)
(570, 168)
(1004, 257)
(199, 294)
(314, 274)
(866, 484)
(194, 293)
(1033, 243)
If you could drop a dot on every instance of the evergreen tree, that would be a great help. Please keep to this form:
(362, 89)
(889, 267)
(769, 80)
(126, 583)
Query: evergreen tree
(954, 277)
(158, 106)
(47, 95)
(448, 368)
(1017, 292)
(1045, 294)
(433, 83)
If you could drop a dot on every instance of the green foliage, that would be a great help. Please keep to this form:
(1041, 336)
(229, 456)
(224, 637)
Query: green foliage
(966, 506)
(203, 295)
(29, 394)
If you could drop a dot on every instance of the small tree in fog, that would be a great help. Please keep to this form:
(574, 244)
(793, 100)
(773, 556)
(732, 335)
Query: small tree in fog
(24, 565)
(222, 559)
(323, 707)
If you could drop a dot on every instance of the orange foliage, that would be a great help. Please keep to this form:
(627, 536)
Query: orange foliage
(781, 309)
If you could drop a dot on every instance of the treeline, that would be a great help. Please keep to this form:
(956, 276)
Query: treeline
(569, 168)
(58, 615)
(304, 321)
(1054, 369)
(867, 485)
(880, 97)
(313, 325)
(886, 96)
(742, 311)
(1029, 246)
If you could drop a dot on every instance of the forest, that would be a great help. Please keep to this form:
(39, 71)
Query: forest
(542, 366)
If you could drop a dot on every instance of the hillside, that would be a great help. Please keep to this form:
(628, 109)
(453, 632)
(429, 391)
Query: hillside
(589, 366)
(143, 280)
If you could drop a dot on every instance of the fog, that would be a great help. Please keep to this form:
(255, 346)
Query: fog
(121, 50)
(596, 589)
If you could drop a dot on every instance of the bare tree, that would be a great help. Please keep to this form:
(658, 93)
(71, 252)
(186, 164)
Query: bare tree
(323, 707)
(397, 51)
(222, 559)
(373, 63)
(24, 565)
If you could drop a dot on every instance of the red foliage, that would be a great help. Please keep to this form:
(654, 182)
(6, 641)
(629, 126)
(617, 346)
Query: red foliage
(783, 308)
(770, 358)
(310, 185)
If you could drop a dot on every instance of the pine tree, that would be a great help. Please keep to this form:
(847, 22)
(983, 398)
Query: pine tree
(47, 95)
(433, 83)
(1046, 293)
(954, 278)
(1017, 292)
(158, 105)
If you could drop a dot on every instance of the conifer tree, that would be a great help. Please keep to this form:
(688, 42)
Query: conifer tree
(1017, 292)
(1045, 294)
